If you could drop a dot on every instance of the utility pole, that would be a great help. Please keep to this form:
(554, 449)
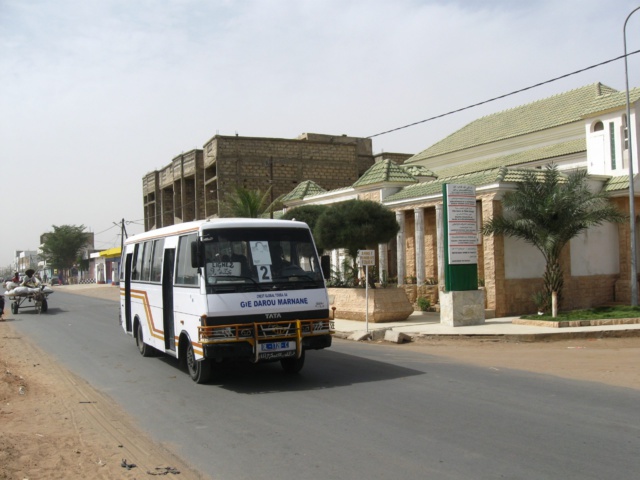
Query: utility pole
(123, 235)
(271, 187)
(632, 197)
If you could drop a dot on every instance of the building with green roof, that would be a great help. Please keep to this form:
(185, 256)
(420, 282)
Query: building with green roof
(584, 128)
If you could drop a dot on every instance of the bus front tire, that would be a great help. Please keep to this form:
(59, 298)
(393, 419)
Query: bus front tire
(199, 370)
(144, 349)
(293, 365)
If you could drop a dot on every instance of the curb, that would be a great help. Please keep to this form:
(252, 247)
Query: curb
(515, 338)
(577, 323)
(538, 337)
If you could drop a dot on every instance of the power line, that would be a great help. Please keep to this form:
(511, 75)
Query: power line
(105, 230)
(505, 95)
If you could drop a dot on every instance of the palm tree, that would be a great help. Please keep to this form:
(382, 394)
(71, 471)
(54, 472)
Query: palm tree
(247, 203)
(547, 210)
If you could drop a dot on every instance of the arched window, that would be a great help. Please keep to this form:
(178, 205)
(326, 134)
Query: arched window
(598, 126)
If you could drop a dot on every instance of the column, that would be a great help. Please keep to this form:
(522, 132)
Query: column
(401, 248)
(440, 245)
(335, 263)
(418, 214)
(383, 263)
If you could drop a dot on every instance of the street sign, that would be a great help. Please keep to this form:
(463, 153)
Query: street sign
(366, 258)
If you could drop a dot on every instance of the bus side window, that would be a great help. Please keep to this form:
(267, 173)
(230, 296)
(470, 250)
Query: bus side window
(185, 273)
(137, 262)
(156, 265)
(146, 261)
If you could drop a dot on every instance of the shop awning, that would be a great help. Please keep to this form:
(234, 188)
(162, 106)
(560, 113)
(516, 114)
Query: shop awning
(111, 253)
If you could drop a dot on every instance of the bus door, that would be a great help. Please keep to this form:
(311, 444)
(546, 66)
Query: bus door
(127, 291)
(167, 298)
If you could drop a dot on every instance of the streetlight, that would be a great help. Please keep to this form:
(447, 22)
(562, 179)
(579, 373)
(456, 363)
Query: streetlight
(632, 207)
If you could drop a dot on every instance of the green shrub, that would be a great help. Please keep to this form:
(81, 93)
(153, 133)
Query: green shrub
(423, 303)
(542, 301)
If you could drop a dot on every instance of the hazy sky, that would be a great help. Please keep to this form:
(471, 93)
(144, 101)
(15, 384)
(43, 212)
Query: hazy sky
(94, 94)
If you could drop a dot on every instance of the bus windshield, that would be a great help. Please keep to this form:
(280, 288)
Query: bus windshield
(259, 259)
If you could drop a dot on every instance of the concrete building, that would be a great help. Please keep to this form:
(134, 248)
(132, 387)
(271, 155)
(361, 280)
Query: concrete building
(580, 129)
(193, 185)
(25, 259)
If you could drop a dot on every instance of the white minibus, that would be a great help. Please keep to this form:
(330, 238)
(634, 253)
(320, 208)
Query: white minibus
(225, 289)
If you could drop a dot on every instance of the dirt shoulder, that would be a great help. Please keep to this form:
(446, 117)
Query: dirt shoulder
(56, 426)
(611, 361)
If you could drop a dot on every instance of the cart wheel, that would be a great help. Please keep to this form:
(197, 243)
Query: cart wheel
(14, 307)
(38, 306)
(45, 306)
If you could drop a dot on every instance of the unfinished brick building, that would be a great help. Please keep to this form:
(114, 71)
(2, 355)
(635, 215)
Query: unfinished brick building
(192, 186)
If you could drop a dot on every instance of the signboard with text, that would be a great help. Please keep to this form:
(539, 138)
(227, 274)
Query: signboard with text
(461, 223)
(461, 237)
(366, 258)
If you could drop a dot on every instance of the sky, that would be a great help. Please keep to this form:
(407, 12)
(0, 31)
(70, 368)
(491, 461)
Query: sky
(94, 94)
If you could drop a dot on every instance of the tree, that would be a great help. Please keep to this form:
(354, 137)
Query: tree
(355, 225)
(547, 211)
(63, 246)
(247, 203)
(308, 214)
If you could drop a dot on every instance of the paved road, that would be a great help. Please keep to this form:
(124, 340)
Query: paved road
(357, 411)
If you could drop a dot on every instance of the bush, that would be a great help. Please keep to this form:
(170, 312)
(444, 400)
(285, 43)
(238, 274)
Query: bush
(423, 304)
(542, 300)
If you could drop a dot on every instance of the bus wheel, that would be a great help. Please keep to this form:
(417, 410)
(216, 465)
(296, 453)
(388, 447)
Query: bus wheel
(293, 364)
(144, 349)
(199, 371)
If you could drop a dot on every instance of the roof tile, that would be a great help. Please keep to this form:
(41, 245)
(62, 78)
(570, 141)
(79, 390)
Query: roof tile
(542, 114)
(304, 189)
(385, 171)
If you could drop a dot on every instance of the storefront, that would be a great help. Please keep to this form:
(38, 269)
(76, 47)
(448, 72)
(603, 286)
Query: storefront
(107, 266)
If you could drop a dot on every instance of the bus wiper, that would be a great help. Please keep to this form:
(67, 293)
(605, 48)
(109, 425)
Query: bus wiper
(303, 277)
(230, 277)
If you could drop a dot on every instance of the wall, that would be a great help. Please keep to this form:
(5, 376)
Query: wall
(600, 157)
(522, 260)
(591, 272)
(257, 163)
(193, 185)
(596, 252)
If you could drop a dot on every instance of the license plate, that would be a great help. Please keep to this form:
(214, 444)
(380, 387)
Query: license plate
(277, 346)
(276, 355)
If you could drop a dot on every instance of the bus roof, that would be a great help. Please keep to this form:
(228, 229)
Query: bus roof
(197, 225)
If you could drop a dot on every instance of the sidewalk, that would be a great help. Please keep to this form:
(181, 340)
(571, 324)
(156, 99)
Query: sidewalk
(427, 324)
